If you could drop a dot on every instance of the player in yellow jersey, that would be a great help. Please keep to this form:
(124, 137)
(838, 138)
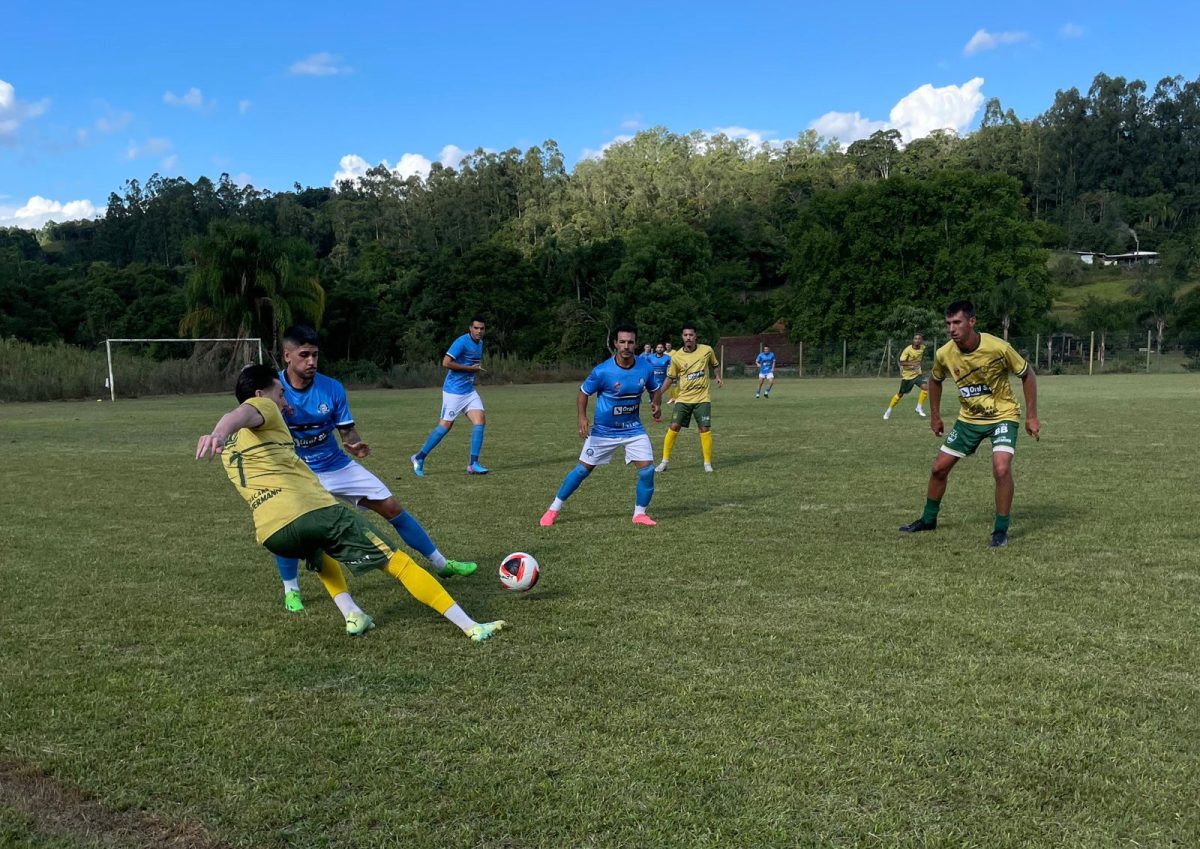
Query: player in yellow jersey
(295, 516)
(981, 365)
(911, 374)
(690, 366)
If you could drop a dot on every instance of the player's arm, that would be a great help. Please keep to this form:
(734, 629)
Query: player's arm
(352, 442)
(243, 415)
(450, 363)
(1029, 386)
(716, 370)
(581, 403)
(935, 407)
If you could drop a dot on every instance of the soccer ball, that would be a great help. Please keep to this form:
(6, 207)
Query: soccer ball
(519, 571)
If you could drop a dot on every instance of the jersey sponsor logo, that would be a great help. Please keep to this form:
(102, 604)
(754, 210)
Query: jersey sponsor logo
(974, 391)
(310, 441)
(695, 375)
(263, 497)
(625, 409)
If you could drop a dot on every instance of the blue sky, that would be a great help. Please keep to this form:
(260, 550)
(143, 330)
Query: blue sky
(93, 94)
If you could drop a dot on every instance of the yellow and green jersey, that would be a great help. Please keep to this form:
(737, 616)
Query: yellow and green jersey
(262, 465)
(690, 371)
(910, 362)
(982, 377)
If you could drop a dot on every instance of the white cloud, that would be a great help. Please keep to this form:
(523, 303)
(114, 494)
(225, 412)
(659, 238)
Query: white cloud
(194, 99)
(319, 65)
(590, 153)
(171, 163)
(353, 167)
(242, 179)
(412, 165)
(756, 137)
(151, 147)
(918, 114)
(39, 210)
(113, 122)
(983, 40)
(1070, 30)
(244, 106)
(631, 124)
(14, 112)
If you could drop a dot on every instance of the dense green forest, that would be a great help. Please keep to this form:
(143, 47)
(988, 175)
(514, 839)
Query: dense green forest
(665, 227)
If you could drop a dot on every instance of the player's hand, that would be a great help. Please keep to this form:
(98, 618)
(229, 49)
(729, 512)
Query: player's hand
(720, 383)
(358, 450)
(584, 427)
(935, 424)
(209, 446)
(480, 368)
(1033, 427)
(656, 411)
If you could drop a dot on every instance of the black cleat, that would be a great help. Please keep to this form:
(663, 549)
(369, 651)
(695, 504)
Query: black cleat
(919, 525)
(999, 539)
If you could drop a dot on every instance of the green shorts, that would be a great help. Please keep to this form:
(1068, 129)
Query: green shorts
(964, 438)
(907, 385)
(684, 412)
(336, 530)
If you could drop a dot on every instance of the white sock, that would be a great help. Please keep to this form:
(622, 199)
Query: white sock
(291, 586)
(639, 510)
(556, 505)
(438, 561)
(346, 604)
(460, 618)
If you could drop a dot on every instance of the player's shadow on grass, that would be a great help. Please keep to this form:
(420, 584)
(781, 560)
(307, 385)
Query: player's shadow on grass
(1040, 517)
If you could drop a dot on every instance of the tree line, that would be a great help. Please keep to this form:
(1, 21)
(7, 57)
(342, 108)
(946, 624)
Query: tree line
(662, 228)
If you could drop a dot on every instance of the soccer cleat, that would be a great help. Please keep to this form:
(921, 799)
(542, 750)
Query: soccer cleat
(292, 602)
(755, 394)
(458, 567)
(999, 539)
(484, 630)
(418, 465)
(548, 518)
(643, 519)
(708, 467)
(887, 414)
(476, 469)
(661, 467)
(919, 525)
(767, 395)
(920, 412)
(358, 624)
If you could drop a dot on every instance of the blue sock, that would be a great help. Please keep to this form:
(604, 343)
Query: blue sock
(435, 436)
(288, 567)
(572, 481)
(645, 486)
(476, 441)
(412, 533)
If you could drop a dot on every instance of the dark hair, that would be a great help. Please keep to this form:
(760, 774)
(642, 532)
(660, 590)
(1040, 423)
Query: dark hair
(625, 328)
(253, 378)
(480, 319)
(301, 334)
(688, 326)
(965, 307)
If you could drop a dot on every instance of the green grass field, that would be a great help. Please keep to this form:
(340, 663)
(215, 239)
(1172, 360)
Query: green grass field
(773, 665)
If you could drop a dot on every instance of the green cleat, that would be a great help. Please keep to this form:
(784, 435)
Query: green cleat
(457, 567)
(292, 602)
(358, 624)
(482, 631)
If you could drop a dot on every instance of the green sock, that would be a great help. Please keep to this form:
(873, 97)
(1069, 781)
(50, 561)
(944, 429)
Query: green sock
(929, 516)
(1002, 522)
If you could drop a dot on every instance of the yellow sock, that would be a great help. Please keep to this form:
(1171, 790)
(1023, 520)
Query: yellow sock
(423, 586)
(669, 443)
(706, 445)
(921, 398)
(332, 577)
(895, 401)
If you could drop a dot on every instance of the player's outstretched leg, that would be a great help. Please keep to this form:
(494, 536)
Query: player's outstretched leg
(645, 492)
(334, 580)
(289, 573)
(570, 483)
(426, 589)
(887, 414)
(921, 403)
(431, 442)
(416, 537)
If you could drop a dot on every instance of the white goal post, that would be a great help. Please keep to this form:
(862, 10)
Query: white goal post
(108, 343)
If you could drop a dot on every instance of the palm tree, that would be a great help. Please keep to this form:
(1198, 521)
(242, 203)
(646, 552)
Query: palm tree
(1157, 303)
(1007, 298)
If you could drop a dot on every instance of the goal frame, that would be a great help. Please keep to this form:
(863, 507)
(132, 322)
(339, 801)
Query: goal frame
(108, 343)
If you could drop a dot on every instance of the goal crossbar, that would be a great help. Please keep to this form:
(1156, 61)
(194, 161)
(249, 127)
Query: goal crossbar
(112, 386)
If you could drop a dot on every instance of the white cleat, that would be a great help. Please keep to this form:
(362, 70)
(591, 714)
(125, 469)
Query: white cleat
(887, 414)
(708, 467)
(661, 467)
(921, 412)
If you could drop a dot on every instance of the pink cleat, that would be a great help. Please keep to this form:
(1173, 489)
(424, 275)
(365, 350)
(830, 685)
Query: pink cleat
(548, 518)
(643, 519)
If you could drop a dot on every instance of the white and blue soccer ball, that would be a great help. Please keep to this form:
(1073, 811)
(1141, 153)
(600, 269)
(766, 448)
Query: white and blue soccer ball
(519, 571)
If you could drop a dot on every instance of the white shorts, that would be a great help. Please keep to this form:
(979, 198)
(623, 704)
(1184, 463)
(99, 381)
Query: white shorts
(768, 376)
(455, 405)
(354, 483)
(599, 450)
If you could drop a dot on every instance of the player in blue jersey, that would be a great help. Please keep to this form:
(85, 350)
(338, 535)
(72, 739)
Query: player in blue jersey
(463, 362)
(766, 370)
(659, 361)
(316, 406)
(618, 384)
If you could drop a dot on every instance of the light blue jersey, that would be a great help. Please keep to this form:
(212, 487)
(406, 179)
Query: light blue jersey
(466, 352)
(618, 394)
(659, 363)
(766, 363)
(312, 416)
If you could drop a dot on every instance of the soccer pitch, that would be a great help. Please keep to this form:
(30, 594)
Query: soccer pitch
(773, 665)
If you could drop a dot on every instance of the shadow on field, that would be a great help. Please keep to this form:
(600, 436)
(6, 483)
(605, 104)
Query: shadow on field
(1046, 515)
